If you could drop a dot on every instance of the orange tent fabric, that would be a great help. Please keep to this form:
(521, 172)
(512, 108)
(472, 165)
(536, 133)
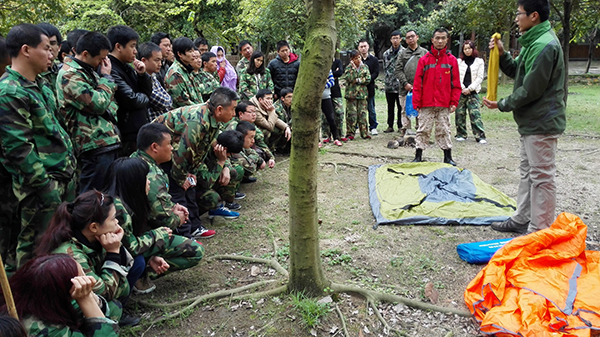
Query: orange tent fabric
(542, 284)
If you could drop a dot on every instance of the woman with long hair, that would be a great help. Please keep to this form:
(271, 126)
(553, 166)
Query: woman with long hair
(257, 76)
(165, 252)
(471, 68)
(227, 75)
(43, 290)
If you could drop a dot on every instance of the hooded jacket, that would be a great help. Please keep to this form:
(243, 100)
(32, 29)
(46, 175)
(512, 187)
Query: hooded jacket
(284, 75)
(437, 80)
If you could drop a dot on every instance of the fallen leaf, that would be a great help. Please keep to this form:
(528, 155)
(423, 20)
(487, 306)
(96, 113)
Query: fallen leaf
(254, 271)
(431, 293)
(333, 330)
(326, 299)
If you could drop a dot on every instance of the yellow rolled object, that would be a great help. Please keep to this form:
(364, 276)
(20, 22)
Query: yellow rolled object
(493, 69)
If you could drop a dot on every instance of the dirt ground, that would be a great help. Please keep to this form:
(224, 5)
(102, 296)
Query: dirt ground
(393, 259)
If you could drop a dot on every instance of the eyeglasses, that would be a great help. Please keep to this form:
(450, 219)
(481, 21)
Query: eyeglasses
(517, 13)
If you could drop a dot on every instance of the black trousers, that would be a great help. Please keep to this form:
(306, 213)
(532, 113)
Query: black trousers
(327, 108)
(391, 98)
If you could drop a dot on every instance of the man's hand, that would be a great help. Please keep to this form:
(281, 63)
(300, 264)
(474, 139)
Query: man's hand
(182, 213)
(221, 153)
(288, 133)
(466, 91)
(224, 177)
(263, 165)
(408, 87)
(158, 264)
(105, 66)
(271, 163)
(496, 43)
(139, 66)
(490, 104)
(452, 108)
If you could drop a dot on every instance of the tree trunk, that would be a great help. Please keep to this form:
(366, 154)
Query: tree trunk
(591, 49)
(567, 8)
(306, 273)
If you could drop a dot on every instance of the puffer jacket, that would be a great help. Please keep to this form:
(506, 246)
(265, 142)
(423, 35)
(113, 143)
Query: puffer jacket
(437, 80)
(477, 72)
(284, 75)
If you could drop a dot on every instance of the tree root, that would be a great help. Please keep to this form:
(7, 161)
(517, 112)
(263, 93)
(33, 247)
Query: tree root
(339, 312)
(272, 292)
(335, 165)
(371, 302)
(273, 263)
(373, 295)
(371, 156)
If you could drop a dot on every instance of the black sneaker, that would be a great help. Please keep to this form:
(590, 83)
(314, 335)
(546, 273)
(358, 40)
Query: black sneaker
(129, 320)
(239, 195)
(234, 206)
(248, 180)
(509, 225)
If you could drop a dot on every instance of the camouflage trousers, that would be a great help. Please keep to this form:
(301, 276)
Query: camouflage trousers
(356, 111)
(406, 124)
(210, 199)
(179, 252)
(471, 104)
(35, 213)
(9, 222)
(427, 117)
(338, 116)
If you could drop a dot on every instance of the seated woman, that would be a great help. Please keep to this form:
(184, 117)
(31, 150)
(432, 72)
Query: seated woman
(53, 297)
(87, 229)
(128, 183)
(257, 76)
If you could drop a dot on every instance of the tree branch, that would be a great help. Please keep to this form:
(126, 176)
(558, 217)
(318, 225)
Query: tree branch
(273, 263)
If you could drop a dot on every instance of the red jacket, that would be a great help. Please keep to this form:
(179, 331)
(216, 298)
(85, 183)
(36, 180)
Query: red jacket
(437, 80)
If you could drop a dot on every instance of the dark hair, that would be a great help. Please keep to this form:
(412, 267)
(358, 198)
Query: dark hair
(222, 96)
(122, 35)
(262, 93)
(158, 37)
(472, 45)
(354, 53)
(151, 133)
(395, 33)
(233, 140)
(22, 34)
(251, 67)
(42, 288)
(200, 40)
(51, 31)
(126, 180)
(206, 57)
(241, 107)
(243, 43)
(3, 51)
(72, 217)
(283, 92)
(540, 6)
(182, 45)
(65, 47)
(411, 30)
(361, 41)
(11, 327)
(441, 30)
(145, 50)
(74, 35)
(243, 127)
(93, 42)
(281, 44)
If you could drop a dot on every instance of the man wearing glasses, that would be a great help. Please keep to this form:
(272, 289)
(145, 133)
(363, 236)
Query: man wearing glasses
(538, 106)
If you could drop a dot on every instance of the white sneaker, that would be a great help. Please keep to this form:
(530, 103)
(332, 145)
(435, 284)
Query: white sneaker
(374, 132)
(460, 139)
(482, 141)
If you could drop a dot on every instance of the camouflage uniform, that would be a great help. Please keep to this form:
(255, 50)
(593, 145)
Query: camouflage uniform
(91, 327)
(209, 191)
(51, 74)
(36, 152)
(469, 102)
(207, 83)
(392, 85)
(427, 116)
(260, 146)
(250, 84)
(9, 221)
(248, 159)
(285, 114)
(242, 65)
(160, 200)
(179, 252)
(181, 86)
(356, 98)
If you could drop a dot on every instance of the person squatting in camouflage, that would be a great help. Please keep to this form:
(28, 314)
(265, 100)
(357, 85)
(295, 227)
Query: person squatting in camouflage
(357, 76)
(248, 159)
(36, 150)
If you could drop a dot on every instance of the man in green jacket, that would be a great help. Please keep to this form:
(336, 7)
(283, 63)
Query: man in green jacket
(538, 106)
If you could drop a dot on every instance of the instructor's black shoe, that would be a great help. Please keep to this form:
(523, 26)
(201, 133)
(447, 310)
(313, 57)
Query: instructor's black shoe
(509, 225)
(448, 157)
(418, 156)
(248, 180)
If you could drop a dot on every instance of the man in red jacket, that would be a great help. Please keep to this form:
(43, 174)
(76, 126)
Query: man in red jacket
(436, 91)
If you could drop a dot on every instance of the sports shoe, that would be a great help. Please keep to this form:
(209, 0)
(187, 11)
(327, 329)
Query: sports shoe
(143, 286)
(460, 139)
(203, 233)
(224, 212)
(233, 206)
(320, 145)
(344, 139)
(374, 132)
(482, 141)
(326, 140)
(248, 180)
(388, 130)
(127, 319)
(367, 137)
(337, 142)
(509, 225)
(239, 195)
(350, 137)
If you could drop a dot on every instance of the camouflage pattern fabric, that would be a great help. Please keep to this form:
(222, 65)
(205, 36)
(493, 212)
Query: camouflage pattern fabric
(248, 159)
(259, 139)
(471, 104)
(91, 327)
(36, 152)
(161, 205)
(10, 225)
(181, 86)
(283, 113)
(356, 109)
(51, 74)
(242, 65)
(406, 123)
(392, 84)
(87, 103)
(441, 117)
(206, 82)
(338, 115)
(208, 180)
(111, 278)
(250, 84)
(356, 82)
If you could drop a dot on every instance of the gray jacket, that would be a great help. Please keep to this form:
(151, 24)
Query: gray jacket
(406, 66)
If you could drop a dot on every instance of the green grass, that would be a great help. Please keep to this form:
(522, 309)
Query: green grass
(309, 309)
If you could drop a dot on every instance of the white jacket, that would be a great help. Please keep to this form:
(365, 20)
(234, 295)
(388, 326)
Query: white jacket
(477, 71)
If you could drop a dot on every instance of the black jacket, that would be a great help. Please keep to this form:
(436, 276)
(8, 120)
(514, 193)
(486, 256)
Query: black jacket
(373, 63)
(132, 95)
(284, 74)
(164, 68)
(337, 68)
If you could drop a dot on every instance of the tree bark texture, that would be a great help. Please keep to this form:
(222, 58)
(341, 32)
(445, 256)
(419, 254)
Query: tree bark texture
(306, 273)
(567, 8)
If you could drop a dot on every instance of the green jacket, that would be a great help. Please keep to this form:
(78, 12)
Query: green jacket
(356, 81)
(160, 200)
(36, 150)
(538, 98)
(406, 66)
(242, 65)
(250, 84)
(259, 138)
(248, 159)
(181, 86)
(207, 83)
(87, 103)
(91, 327)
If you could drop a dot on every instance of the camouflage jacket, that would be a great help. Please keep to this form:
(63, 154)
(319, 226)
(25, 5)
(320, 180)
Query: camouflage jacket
(250, 84)
(36, 150)
(138, 245)
(160, 199)
(242, 65)
(285, 114)
(248, 159)
(181, 86)
(259, 137)
(357, 81)
(389, 65)
(207, 83)
(87, 103)
(176, 120)
(91, 327)
(111, 276)
(51, 74)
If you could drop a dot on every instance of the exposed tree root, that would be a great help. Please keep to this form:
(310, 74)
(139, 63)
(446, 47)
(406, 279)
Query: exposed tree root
(339, 312)
(335, 165)
(273, 263)
(272, 292)
(382, 320)
(348, 153)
